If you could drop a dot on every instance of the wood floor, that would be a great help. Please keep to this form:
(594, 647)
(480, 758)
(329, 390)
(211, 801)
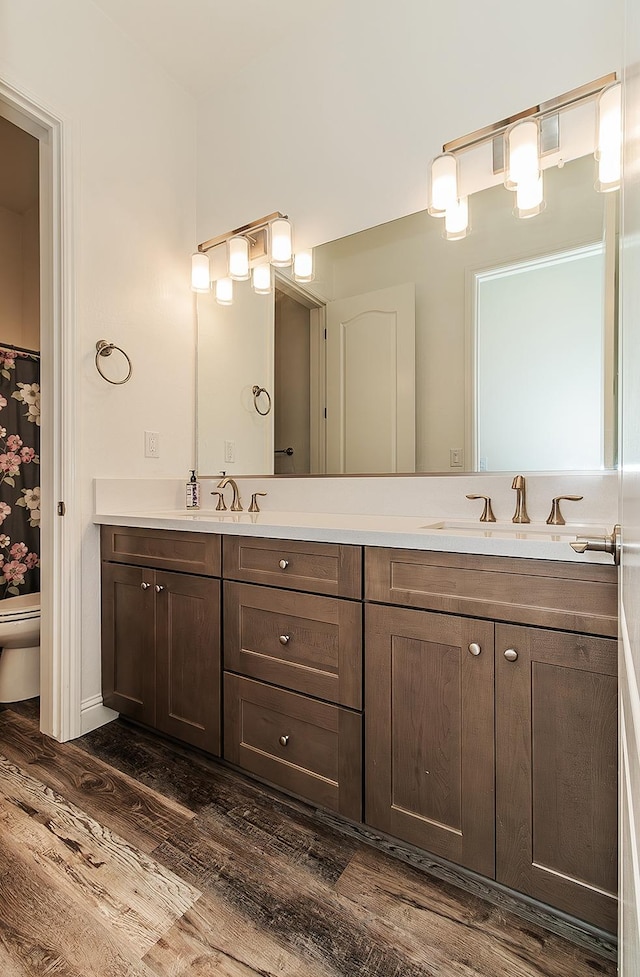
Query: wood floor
(189, 869)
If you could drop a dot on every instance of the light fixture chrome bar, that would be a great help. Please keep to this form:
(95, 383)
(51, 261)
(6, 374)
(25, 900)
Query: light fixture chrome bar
(256, 225)
(552, 106)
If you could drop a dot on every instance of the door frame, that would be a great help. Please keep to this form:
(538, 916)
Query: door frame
(61, 614)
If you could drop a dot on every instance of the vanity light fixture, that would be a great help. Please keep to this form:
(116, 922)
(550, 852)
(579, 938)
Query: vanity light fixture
(517, 150)
(246, 252)
(609, 138)
(200, 272)
(303, 266)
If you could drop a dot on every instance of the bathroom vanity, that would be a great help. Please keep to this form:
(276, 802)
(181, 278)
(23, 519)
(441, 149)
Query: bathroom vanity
(464, 703)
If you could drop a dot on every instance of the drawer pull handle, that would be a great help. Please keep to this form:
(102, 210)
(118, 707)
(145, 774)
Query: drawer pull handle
(283, 564)
(511, 655)
(159, 588)
(474, 649)
(284, 740)
(144, 586)
(285, 639)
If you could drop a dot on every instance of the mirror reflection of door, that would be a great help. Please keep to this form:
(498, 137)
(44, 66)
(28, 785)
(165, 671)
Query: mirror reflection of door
(292, 363)
(540, 363)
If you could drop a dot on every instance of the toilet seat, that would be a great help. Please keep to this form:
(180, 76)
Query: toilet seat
(25, 607)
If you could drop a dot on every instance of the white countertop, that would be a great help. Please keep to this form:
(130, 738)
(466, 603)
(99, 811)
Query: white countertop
(534, 541)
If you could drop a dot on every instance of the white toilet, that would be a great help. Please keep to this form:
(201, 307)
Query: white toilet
(19, 648)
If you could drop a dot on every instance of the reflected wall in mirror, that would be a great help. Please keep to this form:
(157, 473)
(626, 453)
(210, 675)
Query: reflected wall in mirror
(404, 370)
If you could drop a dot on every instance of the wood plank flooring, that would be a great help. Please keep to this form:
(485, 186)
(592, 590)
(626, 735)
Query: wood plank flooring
(121, 855)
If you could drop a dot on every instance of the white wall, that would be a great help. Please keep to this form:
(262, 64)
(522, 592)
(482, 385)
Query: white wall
(131, 143)
(337, 129)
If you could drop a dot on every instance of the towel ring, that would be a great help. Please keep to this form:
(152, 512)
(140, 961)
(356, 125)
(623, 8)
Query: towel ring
(103, 348)
(256, 393)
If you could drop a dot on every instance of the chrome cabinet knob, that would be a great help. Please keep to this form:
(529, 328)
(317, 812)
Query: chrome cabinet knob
(511, 655)
(159, 588)
(144, 586)
(283, 564)
(474, 649)
(284, 639)
(283, 741)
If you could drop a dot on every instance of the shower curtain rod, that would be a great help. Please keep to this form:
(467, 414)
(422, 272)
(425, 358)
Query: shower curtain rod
(20, 349)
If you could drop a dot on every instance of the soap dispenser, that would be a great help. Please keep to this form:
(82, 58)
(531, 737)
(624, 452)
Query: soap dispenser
(193, 491)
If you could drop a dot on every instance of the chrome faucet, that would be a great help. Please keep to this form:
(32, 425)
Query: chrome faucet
(236, 505)
(520, 515)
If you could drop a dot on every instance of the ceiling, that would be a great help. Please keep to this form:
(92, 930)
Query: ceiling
(202, 42)
(18, 168)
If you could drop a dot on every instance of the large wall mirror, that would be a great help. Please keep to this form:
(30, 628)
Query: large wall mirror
(411, 353)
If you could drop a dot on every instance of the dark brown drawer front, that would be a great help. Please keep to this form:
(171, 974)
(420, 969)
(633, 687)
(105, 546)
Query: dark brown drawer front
(303, 642)
(308, 747)
(569, 596)
(162, 549)
(321, 568)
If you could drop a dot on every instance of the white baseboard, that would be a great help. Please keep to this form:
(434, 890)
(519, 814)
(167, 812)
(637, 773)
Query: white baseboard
(95, 714)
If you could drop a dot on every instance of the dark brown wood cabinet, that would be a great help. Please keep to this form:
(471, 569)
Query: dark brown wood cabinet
(429, 718)
(161, 640)
(540, 700)
(556, 785)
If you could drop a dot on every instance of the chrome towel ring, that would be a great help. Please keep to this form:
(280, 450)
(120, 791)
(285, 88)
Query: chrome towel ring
(256, 393)
(103, 348)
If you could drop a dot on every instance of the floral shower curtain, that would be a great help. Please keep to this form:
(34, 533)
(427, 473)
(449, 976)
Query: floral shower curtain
(19, 472)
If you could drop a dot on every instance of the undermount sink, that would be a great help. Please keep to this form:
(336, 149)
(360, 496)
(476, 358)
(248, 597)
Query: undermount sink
(513, 530)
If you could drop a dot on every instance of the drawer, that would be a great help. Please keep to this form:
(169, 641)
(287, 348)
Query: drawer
(304, 642)
(569, 596)
(311, 748)
(163, 549)
(321, 568)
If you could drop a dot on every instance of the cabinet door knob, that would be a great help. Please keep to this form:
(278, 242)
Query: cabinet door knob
(284, 639)
(283, 564)
(511, 655)
(159, 588)
(474, 649)
(144, 586)
(283, 740)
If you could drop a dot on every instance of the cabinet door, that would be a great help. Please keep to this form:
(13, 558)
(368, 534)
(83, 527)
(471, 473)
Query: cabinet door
(128, 641)
(429, 732)
(556, 732)
(188, 658)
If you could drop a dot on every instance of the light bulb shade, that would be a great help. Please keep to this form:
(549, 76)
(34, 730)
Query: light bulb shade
(238, 258)
(609, 137)
(261, 279)
(529, 198)
(200, 272)
(443, 184)
(224, 291)
(456, 220)
(522, 153)
(303, 266)
(281, 242)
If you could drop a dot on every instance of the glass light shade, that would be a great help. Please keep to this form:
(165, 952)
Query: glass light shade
(456, 220)
(238, 256)
(529, 198)
(261, 279)
(522, 158)
(609, 137)
(303, 266)
(200, 272)
(443, 184)
(281, 242)
(224, 291)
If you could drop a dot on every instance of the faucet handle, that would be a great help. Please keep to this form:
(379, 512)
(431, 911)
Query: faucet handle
(555, 516)
(254, 507)
(487, 512)
(221, 506)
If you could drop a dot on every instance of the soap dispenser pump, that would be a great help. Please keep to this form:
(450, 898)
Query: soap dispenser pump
(193, 491)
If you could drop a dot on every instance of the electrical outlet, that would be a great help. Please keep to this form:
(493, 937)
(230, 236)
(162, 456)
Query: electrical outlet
(230, 451)
(455, 458)
(482, 467)
(151, 444)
